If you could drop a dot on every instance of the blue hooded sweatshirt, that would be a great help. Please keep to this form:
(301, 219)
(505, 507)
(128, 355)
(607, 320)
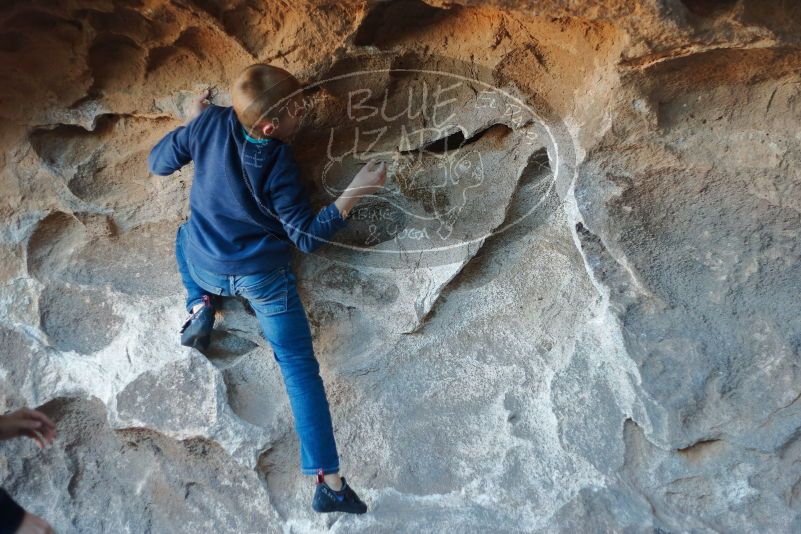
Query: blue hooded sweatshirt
(230, 231)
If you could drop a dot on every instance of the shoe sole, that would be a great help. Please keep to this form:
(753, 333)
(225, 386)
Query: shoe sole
(338, 511)
(197, 342)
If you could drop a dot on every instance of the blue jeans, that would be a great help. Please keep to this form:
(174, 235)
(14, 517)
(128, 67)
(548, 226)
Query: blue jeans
(274, 297)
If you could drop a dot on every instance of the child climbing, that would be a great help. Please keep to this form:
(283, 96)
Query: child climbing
(248, 207)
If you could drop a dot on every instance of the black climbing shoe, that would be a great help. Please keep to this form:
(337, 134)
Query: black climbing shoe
(345, 500)
(196, 330)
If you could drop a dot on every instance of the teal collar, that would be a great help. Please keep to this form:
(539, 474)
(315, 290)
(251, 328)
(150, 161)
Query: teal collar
(254, 140)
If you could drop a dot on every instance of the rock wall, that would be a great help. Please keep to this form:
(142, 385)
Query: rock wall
(599, 331)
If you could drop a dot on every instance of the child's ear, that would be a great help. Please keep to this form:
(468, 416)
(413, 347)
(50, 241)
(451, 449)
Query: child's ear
(267, 129)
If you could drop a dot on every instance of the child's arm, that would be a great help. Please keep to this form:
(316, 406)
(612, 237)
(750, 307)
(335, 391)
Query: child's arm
(306, 229)
(173, 151)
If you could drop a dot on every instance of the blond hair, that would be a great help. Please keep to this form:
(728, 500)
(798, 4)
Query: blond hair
(257, 94)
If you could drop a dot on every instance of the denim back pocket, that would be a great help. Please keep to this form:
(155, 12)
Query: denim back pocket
(211, 282)
(266, 292)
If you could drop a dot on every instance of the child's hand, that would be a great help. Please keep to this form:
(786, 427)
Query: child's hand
(369, 179)
(198, 103)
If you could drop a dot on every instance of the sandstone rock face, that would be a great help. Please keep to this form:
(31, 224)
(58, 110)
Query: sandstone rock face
(575, 307)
